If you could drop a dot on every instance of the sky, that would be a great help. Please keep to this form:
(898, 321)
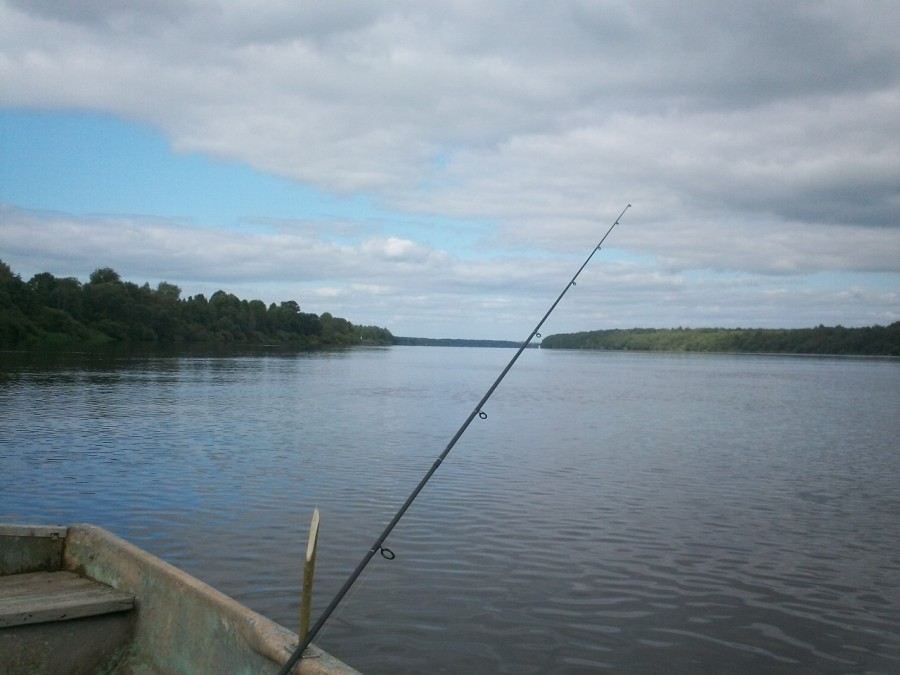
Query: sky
(443, 169)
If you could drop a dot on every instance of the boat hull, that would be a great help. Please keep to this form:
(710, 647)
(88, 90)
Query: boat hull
(178, 625)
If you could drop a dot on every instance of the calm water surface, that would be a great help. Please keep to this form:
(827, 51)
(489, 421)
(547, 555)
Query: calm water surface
(628, 513)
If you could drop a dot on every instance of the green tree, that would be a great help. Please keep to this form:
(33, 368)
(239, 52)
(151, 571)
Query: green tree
(105, 275)
(168, 292)
(6, 274)
(17, 307)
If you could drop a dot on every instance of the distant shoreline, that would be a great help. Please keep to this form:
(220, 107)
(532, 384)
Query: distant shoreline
(821, 340)
(455, 342)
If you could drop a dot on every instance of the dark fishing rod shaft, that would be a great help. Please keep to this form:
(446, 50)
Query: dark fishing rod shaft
(379, 543)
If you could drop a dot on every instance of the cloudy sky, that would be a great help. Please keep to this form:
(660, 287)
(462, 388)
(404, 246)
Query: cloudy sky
(444, 168)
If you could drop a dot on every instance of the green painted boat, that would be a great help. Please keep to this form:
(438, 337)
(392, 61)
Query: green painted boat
(80, 600)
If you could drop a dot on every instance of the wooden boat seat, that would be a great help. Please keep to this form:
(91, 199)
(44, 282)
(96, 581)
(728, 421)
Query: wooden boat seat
(39, 597)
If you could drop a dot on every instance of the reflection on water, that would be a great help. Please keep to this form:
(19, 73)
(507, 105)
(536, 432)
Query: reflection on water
(620, 512)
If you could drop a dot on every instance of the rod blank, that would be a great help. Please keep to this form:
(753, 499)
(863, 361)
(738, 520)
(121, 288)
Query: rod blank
(379, 543)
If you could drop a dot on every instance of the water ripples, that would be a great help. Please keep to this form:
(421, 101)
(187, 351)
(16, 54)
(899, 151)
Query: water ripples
(620, 513)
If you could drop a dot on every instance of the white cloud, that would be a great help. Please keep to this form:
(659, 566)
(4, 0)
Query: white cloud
(759, 139)
(414, 289)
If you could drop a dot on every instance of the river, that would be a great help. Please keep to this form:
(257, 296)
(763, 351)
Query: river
(617, 512)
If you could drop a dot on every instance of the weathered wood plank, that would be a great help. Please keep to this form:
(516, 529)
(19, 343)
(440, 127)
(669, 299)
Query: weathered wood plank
(56, 596)
(25, 548)
(51, 531)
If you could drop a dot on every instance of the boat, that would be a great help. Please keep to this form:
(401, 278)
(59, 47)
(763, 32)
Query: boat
(79, 600)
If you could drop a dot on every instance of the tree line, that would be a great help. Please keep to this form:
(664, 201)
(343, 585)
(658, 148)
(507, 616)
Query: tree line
(869, 341)
(47, 310)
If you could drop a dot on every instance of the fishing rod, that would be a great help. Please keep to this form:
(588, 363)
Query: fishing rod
(378, 546)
